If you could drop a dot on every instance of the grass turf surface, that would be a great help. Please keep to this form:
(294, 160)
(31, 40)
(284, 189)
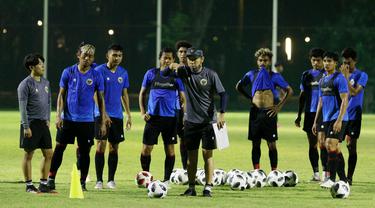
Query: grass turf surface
(292, 150)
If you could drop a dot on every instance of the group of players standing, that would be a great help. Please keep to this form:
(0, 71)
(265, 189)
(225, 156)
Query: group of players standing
(181, 102)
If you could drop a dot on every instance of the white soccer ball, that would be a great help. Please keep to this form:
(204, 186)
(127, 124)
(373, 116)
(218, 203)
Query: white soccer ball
(157, 189)
(340, 190)
(219, 176)
(143, 179)
(238, 182)
(291, 178)
(275, 178)
(230, 174)
(200, 177)
(260, 178)
(250, 179)
(179, 176)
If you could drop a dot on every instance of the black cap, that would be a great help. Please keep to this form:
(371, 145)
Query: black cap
(193, 53)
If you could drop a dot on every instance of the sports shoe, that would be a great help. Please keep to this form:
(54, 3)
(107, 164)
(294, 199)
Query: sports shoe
(111, 185)
(327, 184)
(315, 177)
(99, 185)
(43, 188)
(31, 189)
(83, 186)
(51, 184)
(189, 192)
(207, 193)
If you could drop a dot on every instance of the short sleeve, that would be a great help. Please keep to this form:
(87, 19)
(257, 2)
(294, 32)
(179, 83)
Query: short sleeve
(180, 85)
(99, 82)
(147, 79)
(217, 83)
(246, 79)
(341, 84)
(279, 81)
(64, 80)
(126, 80)
(363, 79)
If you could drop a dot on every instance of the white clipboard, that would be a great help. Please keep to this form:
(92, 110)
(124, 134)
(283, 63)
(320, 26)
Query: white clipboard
(222, 140)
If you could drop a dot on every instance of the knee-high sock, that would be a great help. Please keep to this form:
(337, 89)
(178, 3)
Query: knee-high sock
(324, 158)
(145, 162)
(56, 160)
(272, 153)
(183, 153)
(352, 162)
(77, 155)
(84, 160)
(332, 164)
(255, 155)
(99, 165)
(112, 165)
(168, 166)
(341, 167)
(314, 158)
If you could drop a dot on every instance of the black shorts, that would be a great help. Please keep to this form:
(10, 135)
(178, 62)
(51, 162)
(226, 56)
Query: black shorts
(194, 133)
(115, 133)
(353, 129)
(159, 124)
(261, 125)
(41, 136)
(180, 123)
(329, 130)
(308, 122)
(84, 131)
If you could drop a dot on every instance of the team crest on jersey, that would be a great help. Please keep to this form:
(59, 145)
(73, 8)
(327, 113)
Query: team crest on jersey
(89, 81)
(352, 82)
(120, 80)
(46, 89)
(203, 82)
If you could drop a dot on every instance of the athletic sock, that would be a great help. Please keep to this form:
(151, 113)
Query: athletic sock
(56, 160)
(168, 166)
(208, 187)
(77, 155)
(341, 167)
(184, 154)
(255, 155)
(324, 158)
(272, 153)
(84, 160)
(29, 182)
(112, 165)
(332, 164)
(43, 181)
(314, 159)
(145, 162)
(99, 165)
(352, 162)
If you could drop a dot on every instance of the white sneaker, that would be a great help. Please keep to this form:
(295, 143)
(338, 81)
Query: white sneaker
(315, 177)
(327, 184)
(99, 185)
(111, 184)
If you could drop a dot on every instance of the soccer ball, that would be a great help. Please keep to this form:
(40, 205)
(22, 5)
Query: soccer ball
(157, 189)
(179, 176)
(201, 177)
(340, 190)
(291, 178)
(230, 174)
(238, 182)
(260, 178)
(218, 178)
(275, 178)
(143, 179)
(250, 179)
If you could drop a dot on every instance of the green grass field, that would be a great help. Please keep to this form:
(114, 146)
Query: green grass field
(292, 149)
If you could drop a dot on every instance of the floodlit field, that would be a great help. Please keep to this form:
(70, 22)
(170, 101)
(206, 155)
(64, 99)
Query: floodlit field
(292, 149)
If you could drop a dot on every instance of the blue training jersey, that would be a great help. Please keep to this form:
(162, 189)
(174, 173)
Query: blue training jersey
(278, 81)
(310, 85)
(114, 83)
(331, 86)
(358, 77)
(257, 79)
(80, 89)
(163, 97)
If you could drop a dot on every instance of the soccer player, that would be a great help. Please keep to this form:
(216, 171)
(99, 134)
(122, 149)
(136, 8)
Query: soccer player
(263, 112)
(357, 80)
(116, 83)
(181, 47)
(160, 116)
(333, 102)
(201, 85)
(34, 97)
(75, 111)
(308, 102)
